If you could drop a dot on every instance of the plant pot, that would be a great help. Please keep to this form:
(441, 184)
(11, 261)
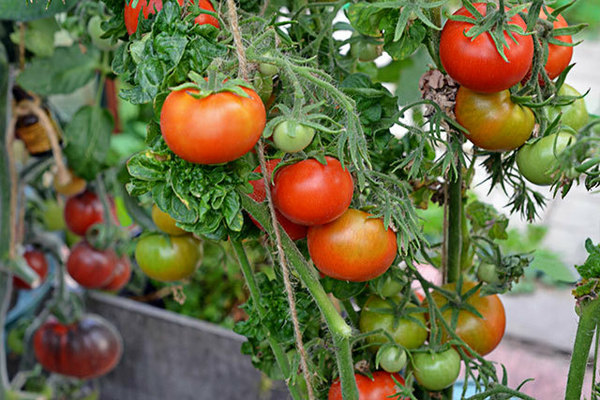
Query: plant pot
(170, 356)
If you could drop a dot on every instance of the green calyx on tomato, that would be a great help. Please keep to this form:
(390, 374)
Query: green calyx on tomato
(405, 323)
(38, 263)
(573, 115)
(538, 161)
(310, 193)
(292, 137)
(481, 333)
(436, 371)
(492, 120)
(475, 62)
(391, 358)
(168, 258)
(212, 123)
(353, 247)
(165, 222)
(381, 386)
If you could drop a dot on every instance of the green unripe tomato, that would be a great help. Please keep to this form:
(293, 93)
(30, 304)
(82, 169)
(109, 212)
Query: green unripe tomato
(436, 371)
(95, 30)
(391, 358)
(267, 69)
(366, 49)
(487, 273)
(574, 115)
(292, 139)
(53, 216)
(375, 315)
(537, 160)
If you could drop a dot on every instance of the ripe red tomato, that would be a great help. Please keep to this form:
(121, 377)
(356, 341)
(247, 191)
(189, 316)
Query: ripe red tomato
(310, 193)
(147, 8)
(91, 268)
(382, 386)
(559, 57)
(37, 261)
(354, 247)
(84, 210)
(493, 121)
(215, 129)
(481, 334)
(86, 349)
(121, 275)
(294, 231)
(476, 64)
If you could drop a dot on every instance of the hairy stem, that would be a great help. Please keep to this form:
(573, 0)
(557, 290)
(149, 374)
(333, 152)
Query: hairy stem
(280, 355)
(588, 321)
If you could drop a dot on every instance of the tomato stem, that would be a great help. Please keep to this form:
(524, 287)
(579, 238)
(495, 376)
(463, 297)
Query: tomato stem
(588, 321)
(280, 355)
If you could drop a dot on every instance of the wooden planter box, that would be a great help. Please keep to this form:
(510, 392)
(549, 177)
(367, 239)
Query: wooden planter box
(170, 356)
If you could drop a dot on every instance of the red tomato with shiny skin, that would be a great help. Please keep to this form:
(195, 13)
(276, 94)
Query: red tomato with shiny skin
(559, 57)
(147, 8)
(215, 129)
(86, 349)
(310, 193)
(91, 268)
(381, 387)
(353, 247)
(84, 210)
(476, 64)
(121, 275)
(294, 231)
(481, 334)
(37, 262)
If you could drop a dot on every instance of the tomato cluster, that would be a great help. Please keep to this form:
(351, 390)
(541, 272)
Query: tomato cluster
(492, 121)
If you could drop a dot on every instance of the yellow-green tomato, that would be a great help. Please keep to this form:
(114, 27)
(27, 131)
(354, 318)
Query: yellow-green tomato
(292, 137)
(436, 371)
(378, 313)
(165, 222)
(574, 115)
(168, 258)
(536, 161)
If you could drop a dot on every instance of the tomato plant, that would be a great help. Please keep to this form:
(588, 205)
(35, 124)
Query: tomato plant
(87, 348)
(148, 7)
(408, 330)
(168, 258)
(292, 137)
(380, 387)
(483, 333)
(218, 128)
(38, 263)
(310, 193)
(89, 267)
(436, 371)
(493, 121)
(538, 160)
(475, 62)
(294, 231)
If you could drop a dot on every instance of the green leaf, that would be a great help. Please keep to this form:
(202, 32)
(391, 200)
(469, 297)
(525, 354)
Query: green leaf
(66, 70)
(27, 10)
(409, 42)
(591, 267)
(88, 141)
